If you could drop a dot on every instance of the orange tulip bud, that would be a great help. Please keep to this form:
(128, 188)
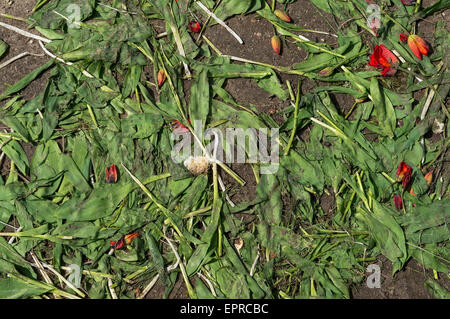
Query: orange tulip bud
(161, 77)
(418, 46)
(282, 15)
(429, 178)
(130, 237)
(276, 44)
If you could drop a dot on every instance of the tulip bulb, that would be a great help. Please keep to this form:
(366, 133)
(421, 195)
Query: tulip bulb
(197, 165)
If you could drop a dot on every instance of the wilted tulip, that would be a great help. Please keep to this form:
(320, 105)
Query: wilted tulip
(404, 172)
(384, 59)
(418, 46)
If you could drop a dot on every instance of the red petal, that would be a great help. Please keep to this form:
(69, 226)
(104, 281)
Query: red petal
(398, 202)
(422, 45)
(387, 55)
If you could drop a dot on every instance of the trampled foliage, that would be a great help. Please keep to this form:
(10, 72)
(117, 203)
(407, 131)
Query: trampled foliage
(100, 109)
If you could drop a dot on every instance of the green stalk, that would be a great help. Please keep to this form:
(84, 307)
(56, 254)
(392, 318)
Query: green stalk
(198, 212)
(347, 208)
(332, 124)
(358, 178)
(165, 211)
(390, 179)
(27, 235)
(7, 135)
(332, 129)
(291, 93)
(294, 129)
(351, 110)
(142, 50)
(4, 15)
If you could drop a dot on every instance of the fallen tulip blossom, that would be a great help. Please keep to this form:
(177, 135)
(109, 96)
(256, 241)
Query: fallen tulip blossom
(384, 59)
(418, 46)
(111, 174)
(404, 172)
(194, 26)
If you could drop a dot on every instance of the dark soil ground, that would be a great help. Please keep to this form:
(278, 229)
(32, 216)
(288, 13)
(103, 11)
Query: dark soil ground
(256, 33)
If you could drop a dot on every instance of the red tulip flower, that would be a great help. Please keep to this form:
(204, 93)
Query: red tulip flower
(194, 26)
(404, 172)
(398, 203)
(408, 2)
(418, 46)
(384, 59)
(111, 174)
